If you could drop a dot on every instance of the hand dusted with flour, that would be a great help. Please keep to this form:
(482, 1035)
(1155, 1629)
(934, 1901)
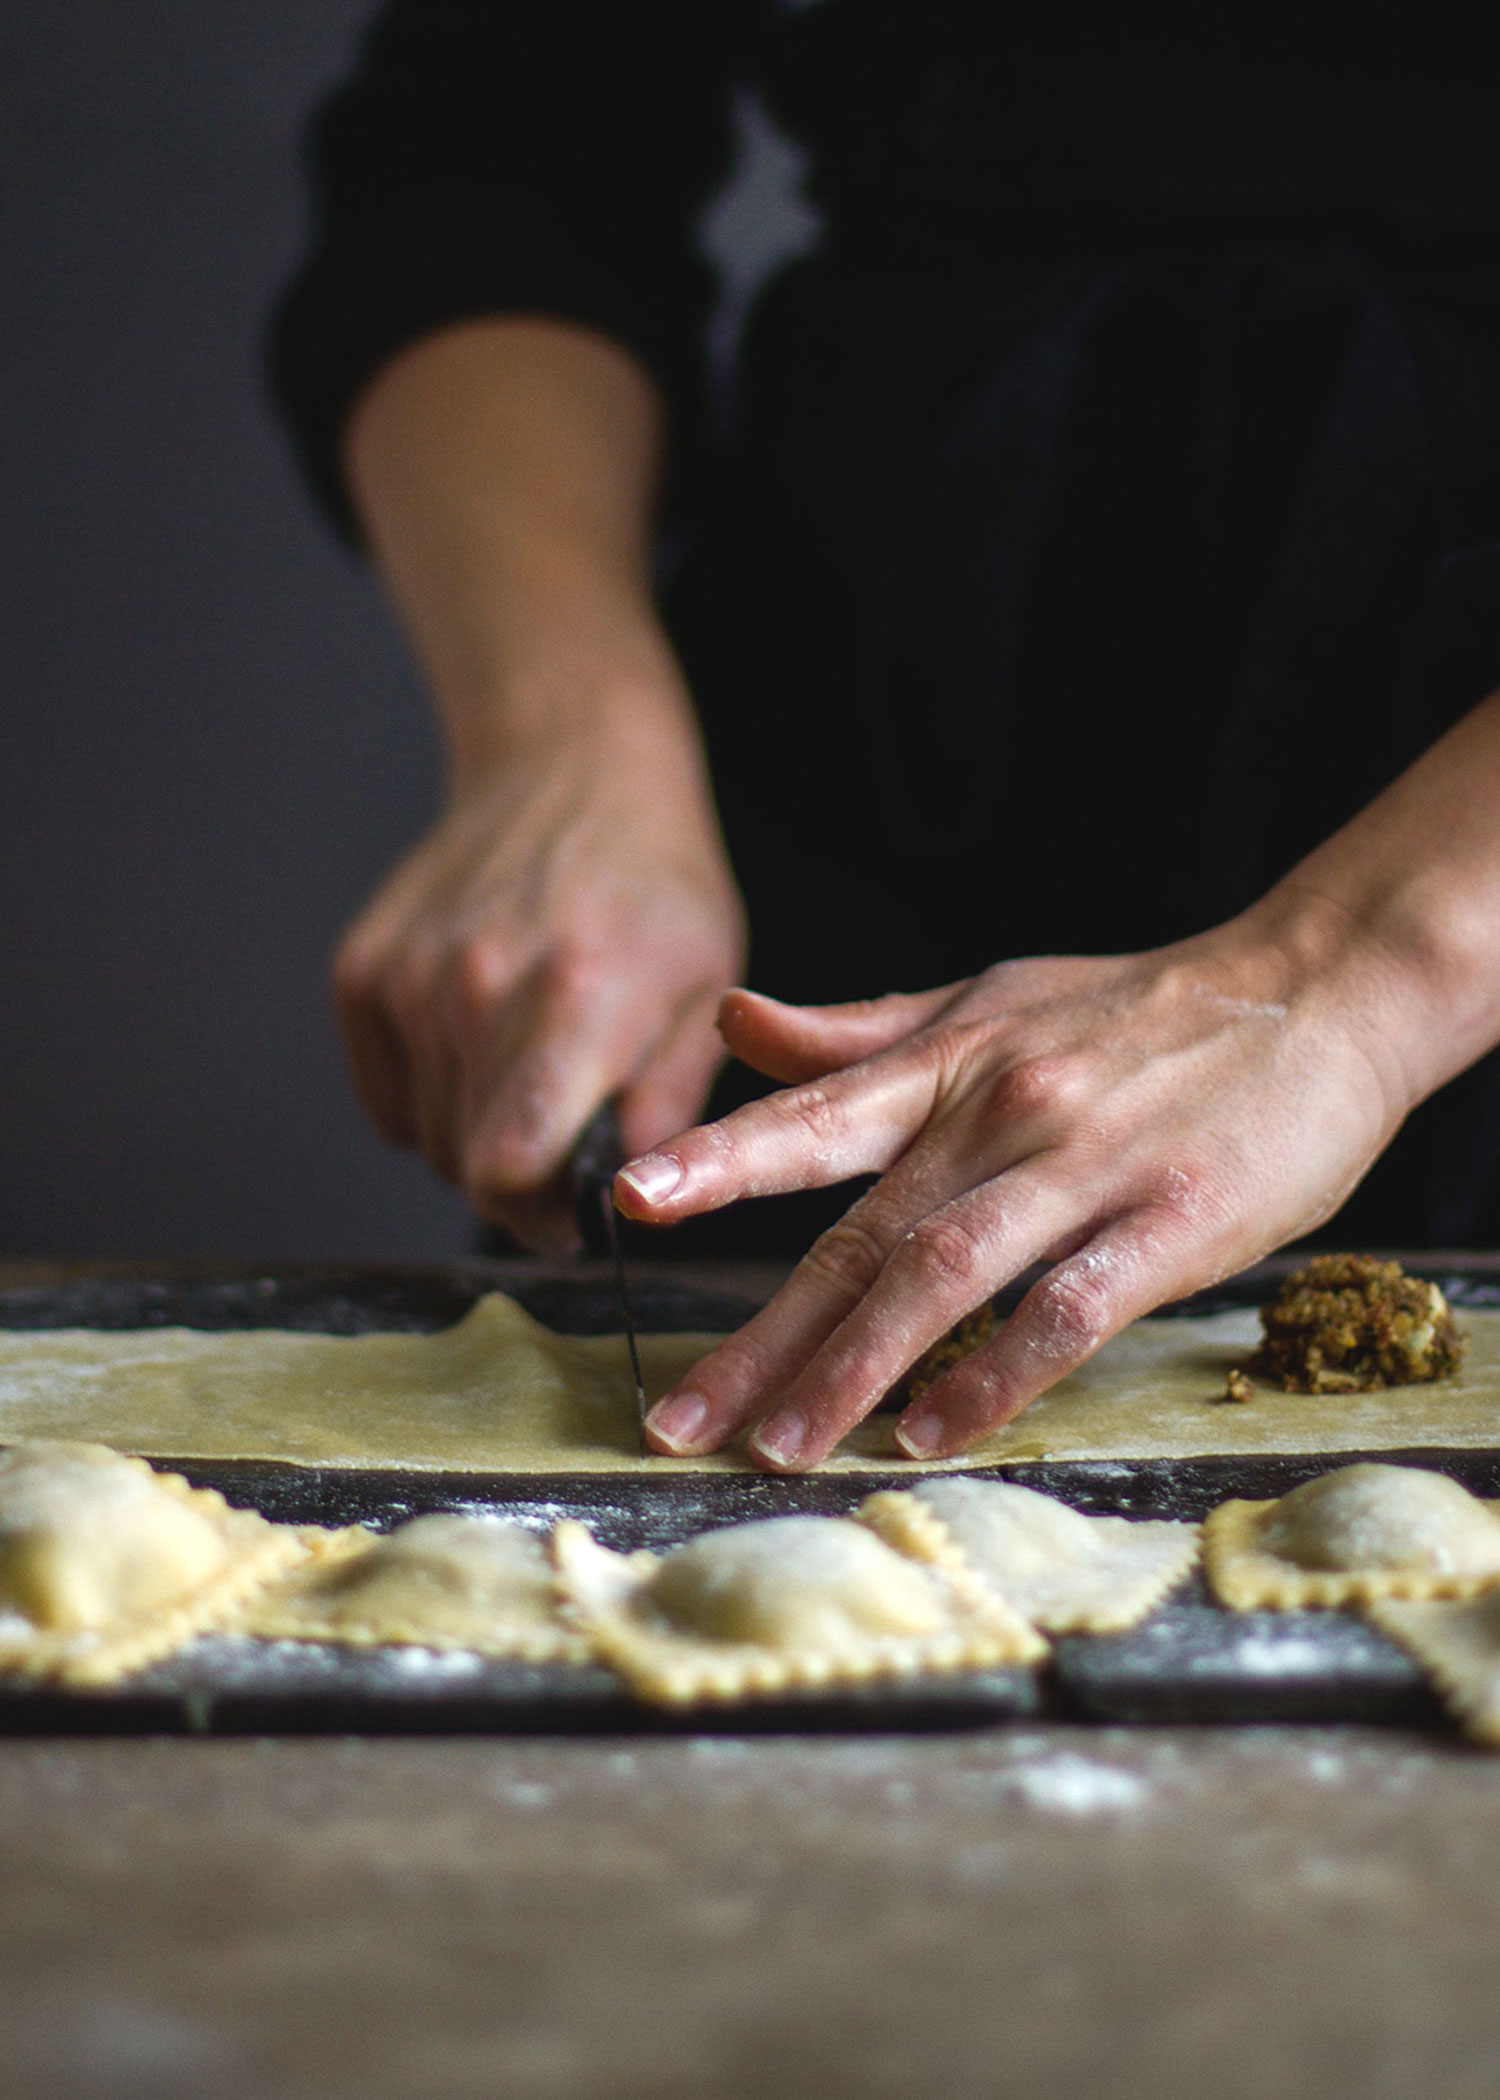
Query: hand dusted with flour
(1146, 1124)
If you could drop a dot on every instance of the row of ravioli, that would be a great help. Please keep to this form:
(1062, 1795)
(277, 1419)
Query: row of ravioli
(107, 1565)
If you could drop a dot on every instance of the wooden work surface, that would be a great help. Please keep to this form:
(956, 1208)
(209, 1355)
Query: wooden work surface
(1058, 1911)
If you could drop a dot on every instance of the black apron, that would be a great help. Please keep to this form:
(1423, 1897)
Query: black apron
(1061, 602)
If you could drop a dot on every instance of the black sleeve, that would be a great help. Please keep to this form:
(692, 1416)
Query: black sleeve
(492, 157)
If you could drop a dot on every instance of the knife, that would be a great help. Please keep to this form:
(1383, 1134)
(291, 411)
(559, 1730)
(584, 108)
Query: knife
(597, 1157)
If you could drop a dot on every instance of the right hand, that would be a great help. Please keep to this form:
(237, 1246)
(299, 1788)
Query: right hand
(563, 934)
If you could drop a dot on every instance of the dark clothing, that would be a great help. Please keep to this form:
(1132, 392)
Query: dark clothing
(1115, 504)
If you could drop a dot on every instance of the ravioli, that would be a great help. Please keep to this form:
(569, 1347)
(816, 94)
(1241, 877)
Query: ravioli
(444, 1581)
(1458, 1645)
(1351, 1536)
(106, 1566)
(1061, 1570)
(788, 1603)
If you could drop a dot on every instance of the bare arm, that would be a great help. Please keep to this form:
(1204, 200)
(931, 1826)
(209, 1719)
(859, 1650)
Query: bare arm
(567, 928)
(1147, 1123)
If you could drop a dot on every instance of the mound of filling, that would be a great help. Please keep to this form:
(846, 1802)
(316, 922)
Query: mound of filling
(1348, 1323)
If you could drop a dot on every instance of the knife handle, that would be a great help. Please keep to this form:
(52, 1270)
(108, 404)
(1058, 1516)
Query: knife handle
(596, 1159)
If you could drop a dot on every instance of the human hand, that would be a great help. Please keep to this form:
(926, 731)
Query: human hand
(564, 933)
(1148, 1124)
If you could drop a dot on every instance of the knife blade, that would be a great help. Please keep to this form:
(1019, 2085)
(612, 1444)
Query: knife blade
(597, 1157)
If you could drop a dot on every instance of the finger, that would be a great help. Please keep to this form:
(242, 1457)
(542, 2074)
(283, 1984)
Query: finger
(807, 1137)
(955, 1260)
(796, 1043)
(765, 1357)
(574, 1032)
(669, 1090)
(436, 1083)
(665, 1096)
(376, 1052)
(543, 1221)
(1124, 1270)
(429, 1063)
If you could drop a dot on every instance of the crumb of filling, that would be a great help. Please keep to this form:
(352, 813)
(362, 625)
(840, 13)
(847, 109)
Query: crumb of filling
(971, 1333)
(1348, 1323)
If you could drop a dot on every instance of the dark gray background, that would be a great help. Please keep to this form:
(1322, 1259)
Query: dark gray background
(212, 741)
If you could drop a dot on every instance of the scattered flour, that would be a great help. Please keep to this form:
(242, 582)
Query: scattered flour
(523, 1793)
(430, 1662)
(1260, 1656)
(1076, 1786)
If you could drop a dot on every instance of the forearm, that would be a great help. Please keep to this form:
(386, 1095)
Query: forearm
(1415, 880)
(564, 932)
(505, 472)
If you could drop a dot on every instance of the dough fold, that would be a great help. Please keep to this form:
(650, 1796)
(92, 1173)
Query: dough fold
(443, 1581)
(1058, 1568)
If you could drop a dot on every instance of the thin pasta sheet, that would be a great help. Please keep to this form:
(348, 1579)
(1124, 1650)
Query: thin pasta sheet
(1353, 1536)
(498, 1392)
(106, 1566)
(445, 1581)
(1058, 1568)
(790, 1603)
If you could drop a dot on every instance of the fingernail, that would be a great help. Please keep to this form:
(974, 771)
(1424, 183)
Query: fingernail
(652, 1178)
(678, 1419)
(782, 1438)
(919, 1435)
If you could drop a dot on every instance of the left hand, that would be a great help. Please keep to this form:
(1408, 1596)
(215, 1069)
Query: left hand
(1147, 1123)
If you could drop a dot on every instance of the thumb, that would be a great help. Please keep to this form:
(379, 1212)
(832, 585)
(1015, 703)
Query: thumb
(797, 1043)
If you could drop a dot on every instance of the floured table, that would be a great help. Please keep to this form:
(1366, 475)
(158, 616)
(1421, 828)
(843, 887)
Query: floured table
(1272, 1913)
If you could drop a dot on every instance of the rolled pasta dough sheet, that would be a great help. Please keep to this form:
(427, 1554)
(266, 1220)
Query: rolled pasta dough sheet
(1156, 1391)
(495, 1392)
(500, 1393)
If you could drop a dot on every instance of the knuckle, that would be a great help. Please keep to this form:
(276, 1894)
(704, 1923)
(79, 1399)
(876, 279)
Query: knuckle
(947, 1252)
(477, 975)
(814, 1111)
(849, 1256)
(1191, 1202)
(1045, 1085)
(1073, 1310)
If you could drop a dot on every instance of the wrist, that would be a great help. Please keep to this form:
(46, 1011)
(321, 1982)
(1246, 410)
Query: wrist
(1415, 880)
(546, 646)
(611, 717)
(1402, 958)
